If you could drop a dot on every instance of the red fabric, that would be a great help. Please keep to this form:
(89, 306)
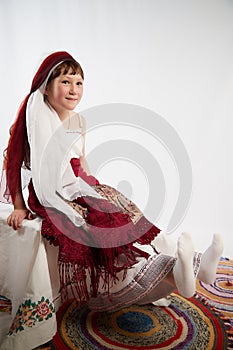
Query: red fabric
(78, 171)
(103, 214)
(109, 237)
(16, 144)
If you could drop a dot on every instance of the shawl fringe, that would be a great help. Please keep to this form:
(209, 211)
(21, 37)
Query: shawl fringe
(83, 266)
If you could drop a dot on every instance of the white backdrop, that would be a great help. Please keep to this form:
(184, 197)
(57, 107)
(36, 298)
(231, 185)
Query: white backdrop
(173, 57)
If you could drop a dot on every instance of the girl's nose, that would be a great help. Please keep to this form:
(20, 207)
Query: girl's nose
(73, 89)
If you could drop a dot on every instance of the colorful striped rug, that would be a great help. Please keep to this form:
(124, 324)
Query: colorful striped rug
(202, 322)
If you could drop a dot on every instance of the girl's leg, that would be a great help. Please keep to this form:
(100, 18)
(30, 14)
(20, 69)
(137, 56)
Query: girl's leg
(183, 270)
(182, 276)
(183, 273)
(210, 260)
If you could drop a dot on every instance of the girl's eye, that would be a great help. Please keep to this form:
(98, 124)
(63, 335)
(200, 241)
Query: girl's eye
(79, 83)
(65, 82)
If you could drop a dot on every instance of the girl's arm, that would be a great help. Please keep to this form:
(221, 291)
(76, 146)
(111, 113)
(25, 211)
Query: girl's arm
(19, 213)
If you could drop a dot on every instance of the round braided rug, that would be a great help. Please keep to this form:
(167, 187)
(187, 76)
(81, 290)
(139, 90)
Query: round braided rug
(220, 294)
(184, 324)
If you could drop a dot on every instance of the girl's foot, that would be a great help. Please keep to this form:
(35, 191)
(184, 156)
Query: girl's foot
(183, 270)
(210, 260)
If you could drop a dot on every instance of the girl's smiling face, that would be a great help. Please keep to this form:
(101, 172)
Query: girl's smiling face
(64, 93)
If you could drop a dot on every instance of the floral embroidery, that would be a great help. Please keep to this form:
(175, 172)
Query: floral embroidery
(30, 312)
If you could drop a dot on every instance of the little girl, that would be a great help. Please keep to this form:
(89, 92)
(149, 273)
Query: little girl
(105, 242)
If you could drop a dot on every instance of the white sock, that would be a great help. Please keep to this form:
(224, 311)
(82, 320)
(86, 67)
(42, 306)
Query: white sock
(210, 260)
(183, 270)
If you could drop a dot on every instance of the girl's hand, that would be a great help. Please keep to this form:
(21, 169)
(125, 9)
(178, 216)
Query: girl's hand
(16, 218)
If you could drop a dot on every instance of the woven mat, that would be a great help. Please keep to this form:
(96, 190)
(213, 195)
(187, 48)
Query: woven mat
(202, 322)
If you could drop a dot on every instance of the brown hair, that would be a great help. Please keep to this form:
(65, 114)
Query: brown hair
(69, 66)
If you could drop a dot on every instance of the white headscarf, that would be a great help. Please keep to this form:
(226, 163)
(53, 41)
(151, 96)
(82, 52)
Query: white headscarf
(51, 148)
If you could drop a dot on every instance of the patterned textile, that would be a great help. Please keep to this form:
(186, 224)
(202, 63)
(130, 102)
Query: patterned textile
(27, 316)
(219, 295)
(104, 246)
(30, 313)
(185, 324)
(144, 279)
(199, 323)
(5, 304)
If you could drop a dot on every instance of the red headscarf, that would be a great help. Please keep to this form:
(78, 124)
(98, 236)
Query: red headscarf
(18, 140)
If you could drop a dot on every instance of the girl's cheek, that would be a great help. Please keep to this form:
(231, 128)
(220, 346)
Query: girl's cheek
(60, 92)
